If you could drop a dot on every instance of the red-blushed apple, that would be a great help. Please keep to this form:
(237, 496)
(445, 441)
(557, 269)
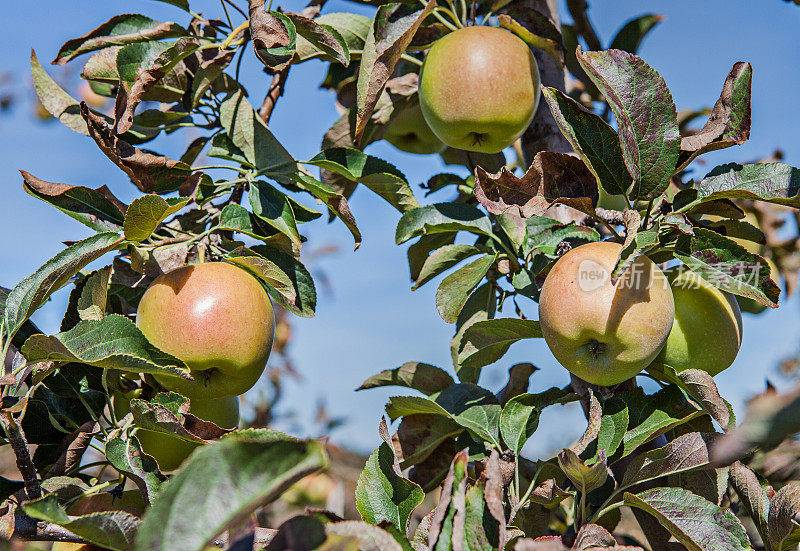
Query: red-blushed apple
(215, 317)
(604, 332)
(707, 331)
(479, 88)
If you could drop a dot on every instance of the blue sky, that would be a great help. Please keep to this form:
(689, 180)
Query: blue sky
(370, 320)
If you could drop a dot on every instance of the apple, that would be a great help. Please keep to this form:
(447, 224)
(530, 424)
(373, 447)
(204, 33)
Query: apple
(215, 317)
(749, 217)
(707, 331)
(170, 451)
(754, 307)
(479, 88)
(605, 333)
(409, 132)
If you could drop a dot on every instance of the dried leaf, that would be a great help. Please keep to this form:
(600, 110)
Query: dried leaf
(553, 178)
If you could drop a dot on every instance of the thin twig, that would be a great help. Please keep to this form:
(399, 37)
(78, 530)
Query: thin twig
(25, 465)
(274, 92)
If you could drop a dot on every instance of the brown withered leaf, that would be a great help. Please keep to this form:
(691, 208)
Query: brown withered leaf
(493, 492)
(108, 34)
(72, 448)
(592, 536)
(150, 172)
(269, 32)
(389, 35)
(553, 178)
(430, 472)
(548, 494)
(130, 95)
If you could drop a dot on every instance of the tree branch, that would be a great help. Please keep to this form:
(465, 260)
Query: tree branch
(24, 463)
(543, 133)
(577, 9)
(274, 92)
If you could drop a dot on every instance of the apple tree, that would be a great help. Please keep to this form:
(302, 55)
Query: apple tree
(600, 158)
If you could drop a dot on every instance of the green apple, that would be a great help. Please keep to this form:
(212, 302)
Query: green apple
(215, 317)
(605, 333)
(479, 88)
(707, 331)
(749, 217)
(170, 451)
(409, 132)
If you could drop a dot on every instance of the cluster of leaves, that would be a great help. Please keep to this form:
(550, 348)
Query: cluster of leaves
(165, 77)
(650, 452)
(497, 240)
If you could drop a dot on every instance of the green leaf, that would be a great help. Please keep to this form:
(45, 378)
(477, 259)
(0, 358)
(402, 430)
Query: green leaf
(553, 48)
(419, 435)
(273, 207)
(426, 378)
(335, 201)
(545, 235)
(441, 218)
(391, 31)
(249, 133)
(469, 405)
(443, 259)
(136, 58)
(632, 33)
(244, 471)
(613, 426)
(267, 271)
(378, 175)
(585, 477)
(784, 532)
(771, 182)
(113, 342)
(480, 306)
(728, 266)
(446, 531)
(96, 208)
(653, 415)
(519, 420)
(455, 289)
(66, 109)
(127, 457)
(474, 408)
(117, 31)
(693, 521)
(382, 494)
(352, 27)
(684, 453)
(305, 300)
(145, 214)
(324, 38)
(729, 123)
(222, 147)
(487, 341)
(591, 138)
(93, 298)
(646, 117)
(32, 292)
(237, 218)
(114, 530)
